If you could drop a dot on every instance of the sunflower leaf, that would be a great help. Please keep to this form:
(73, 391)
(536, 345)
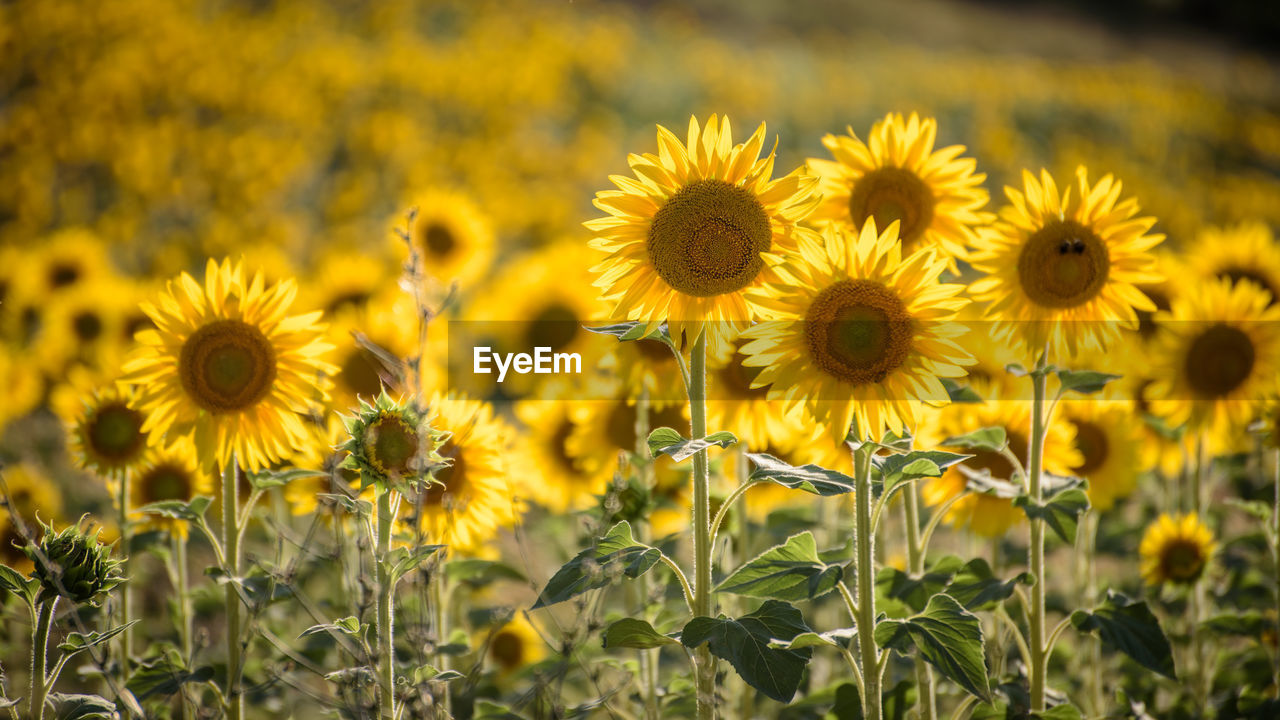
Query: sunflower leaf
(276, 478)
(1060, 512)
(597, 566)
(915, 591)
(1245, 624)
(627, 331)
(24, 587)
(790, 571)
(74, 706)
(898, 469)
(666, 441)
(77, 642)
(1130, 627)
(1065, 711)
(948, 637)
(165, 675)
(960, 393)
(1084, 382)
(635, 633)
(809, 478)
(746, 643)
(349, 625)
(838, 638)
(977, 588)
(192, 510)
(402, 560)
(992, 439)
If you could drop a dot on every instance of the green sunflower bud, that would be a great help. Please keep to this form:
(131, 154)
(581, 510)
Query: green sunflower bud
(391, 443)
(74, 564)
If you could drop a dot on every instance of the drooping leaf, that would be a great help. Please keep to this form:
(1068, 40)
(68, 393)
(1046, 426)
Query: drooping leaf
(745, 643)
(1060, 512)
(1084, 382)
(635, 633)
(77, 642)
(1130, 627)
(665, 441)
(840, 637)
(809, 478)
(615, 553)
(976, 587)
(916, 591)
(72, 706)
(992, 439)
(948, 637)
(192, 510)
(790, 571)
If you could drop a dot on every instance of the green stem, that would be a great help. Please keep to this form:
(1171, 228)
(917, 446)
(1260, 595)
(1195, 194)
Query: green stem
(40, 659)
(1036, 613)
(439, 595)
(386, 650)
(231, 554)
(704, 662)
(1197, 604)
(640, 588)
(184, 607)
(928, 705)
(866, 583)
(126, 593)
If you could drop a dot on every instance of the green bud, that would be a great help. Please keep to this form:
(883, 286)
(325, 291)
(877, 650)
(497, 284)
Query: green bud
(391, 443)
(74, 564)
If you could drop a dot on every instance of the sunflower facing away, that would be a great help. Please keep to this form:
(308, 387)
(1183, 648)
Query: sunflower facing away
(1175, 550)
(1063, 269)
(936, 195)
(229, 366)
(698, 225)
(862, 335)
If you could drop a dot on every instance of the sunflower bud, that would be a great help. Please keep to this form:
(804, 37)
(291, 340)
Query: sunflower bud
(390, 443)
(74, 564)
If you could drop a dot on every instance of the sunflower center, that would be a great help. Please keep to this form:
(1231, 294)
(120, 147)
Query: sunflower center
(736, 379)
(115, 432)
(858, 331)
(350, 298)
(1063, 265)
(391, 444)
(1219, 361)
(450, 480)
(1236, 274)
(891, 193)
(87, 326)
(227, 366)
(1181, 560)
(560, 444)
(707, 239)
(63, 274)
(507, 649)
(438, 239)
(1091, 441)
(165, 482)
(555, 327)
(360, 373)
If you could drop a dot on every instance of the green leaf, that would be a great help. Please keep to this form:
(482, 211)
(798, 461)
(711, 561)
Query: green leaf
(809, 478)
(349, 625)
(746, 644)
(1084, 382)
(1245, 624)
(1065, 711)
(960, 393)
(790, 571)
(475, 571)
(403, 560)
(68, 706)
(948, 637)
(635, 633)
(164, 676)
(616, 552)
(76, 642)
(193, 510)
(977, 588)
(627, 331)
(916, 591)
(428, 674)
(359, 507)
(898, 469)
(992, 439)
(1060, 512)
(268, 479)
(1130, 627)
(840, 637)
(665, 441)
(24, 587)
(357, 676)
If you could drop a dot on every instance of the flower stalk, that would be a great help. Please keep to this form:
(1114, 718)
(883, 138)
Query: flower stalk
(1036, 612)
(231, 556)
(865, 566)
(40, 658)
(126, 595)
(928, 704)
(704, 662)
(385, 630)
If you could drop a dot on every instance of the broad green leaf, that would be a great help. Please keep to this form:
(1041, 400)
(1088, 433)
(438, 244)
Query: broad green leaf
(790, 571)
(69, 706)
(1060, 512)
(976, 587)
(276, 478)
(1246, 624)
(946, 635)
(1065, 711)
(898, 469)
(665, 441)
(627, 331)
(960, 393)
(349, 625)
(615, 553)
(403, 560)
(992, 439)
(809, 478)
(429, 674)
(1084, 382)
(193, 510)
(916, 591)
(164, 676)
(635, 633)
(745, 644)
(24, 587)
(76, 642)
(1130, 627)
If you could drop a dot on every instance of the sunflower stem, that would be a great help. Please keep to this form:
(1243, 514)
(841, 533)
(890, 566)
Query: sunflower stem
(386, 652)
(184, 606)
(704, 662)
(1036, 612)
(231, 552)
(928, 705)
(865, 567)
(40, 659)
(1197, 604)
(126, 594)
(644, 472)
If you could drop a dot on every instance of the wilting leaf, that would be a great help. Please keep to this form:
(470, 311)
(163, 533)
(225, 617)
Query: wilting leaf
(745, 644)
(635, 633)
(665, 441)
(809, 478)
(1130, 627)
(597, 566)
(790, 571)
(946, 635)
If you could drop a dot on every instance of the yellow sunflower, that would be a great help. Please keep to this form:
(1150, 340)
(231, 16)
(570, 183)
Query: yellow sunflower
(646, 366)
(515, 645)
(1244, 252)
(86, 324)
(106, 428)
(1064, 270)
(386, 320)
(1110, 446)
(935, 195)
(67, 259)
(171, 473)
(21, 385)
(1217, 358)
(452, 236)
(734, 404)
(228, 365)
(1175, 549)
(32, 496)
(346, 279)
(862, 335)
(698, 225)
(561, 483)
(989, 515)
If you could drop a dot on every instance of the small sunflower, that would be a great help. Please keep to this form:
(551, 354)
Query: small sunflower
(390, 444)
(67, 259)
(862, 335)
(1175, 549)
(990, 515)
(107, 436)
(561, 484)
(935, 195)
(1110, 447)
(646, 366)
(1218, 357)
(698, 225)
(515, 645)
(171, 473)
(228, 365)
(86, 325)
(1244, 252)
(452, 236)
(1064, 270)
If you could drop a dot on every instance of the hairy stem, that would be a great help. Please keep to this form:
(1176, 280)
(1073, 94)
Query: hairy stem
(1035, 551)
(231, 553)
(386, 651)
(40, 659)
(126, 592)
(704, 662)
(179, 541)
(928, 705)
(866, 583)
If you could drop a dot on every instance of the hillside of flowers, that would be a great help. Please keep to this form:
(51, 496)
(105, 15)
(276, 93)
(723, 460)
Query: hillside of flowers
(538, 360)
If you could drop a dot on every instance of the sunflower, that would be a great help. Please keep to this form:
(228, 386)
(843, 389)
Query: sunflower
(697, 226)
(1064, 270)
(1110, 447)
(345, 279)
(1217, 358)
(229, 366)
(1244, 252)
(862, 335)
(21, 385)
(561, 483)
(735, 404)
(1175, 549)
(646, 367)
(69, 258)
(171, 473)
(472, 498)
(935, 195)
(86, 325)
(515, 645)
(990, 515)
(452, 237)
(363, 372)
(107, 436)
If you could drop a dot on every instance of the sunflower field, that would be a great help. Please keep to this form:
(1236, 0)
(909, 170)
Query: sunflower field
(637, 360)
